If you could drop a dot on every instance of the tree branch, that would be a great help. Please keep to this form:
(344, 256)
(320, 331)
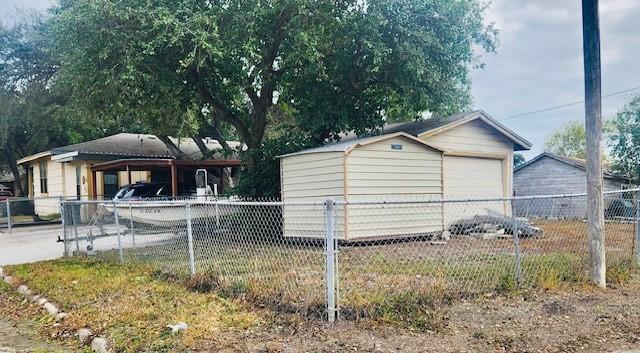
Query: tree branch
(172, 147)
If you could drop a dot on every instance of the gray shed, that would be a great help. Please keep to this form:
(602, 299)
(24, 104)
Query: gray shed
(551, 174)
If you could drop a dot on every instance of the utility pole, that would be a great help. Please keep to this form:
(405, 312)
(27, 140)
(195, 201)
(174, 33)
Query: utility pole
(593, 124)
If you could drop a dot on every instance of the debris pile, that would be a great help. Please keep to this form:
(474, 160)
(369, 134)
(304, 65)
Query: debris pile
(494, 226)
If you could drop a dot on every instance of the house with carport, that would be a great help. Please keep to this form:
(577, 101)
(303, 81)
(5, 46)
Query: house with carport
(97, 169)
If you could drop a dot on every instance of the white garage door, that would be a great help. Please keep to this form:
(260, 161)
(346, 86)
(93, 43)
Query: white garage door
(472, 177)
(469, 176)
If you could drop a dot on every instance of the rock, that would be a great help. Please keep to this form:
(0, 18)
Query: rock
(84, 334)
(42, 301)
(180, 326)
(24, 290)
(8, 279)
(446, 235)
(1, 272)
(61, 316)
(50, 308)
(35, 298)
(99, 345)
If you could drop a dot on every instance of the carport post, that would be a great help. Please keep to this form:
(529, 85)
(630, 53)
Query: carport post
(516, 244)
(9, 215)
(117, 220)
(330, 246)
(192, 261)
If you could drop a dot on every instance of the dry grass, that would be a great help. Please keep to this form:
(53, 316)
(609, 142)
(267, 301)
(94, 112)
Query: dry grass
(131, 306)
(401, 281)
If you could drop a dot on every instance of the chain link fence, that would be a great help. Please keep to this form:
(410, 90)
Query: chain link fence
(358, 259)
(31, 211)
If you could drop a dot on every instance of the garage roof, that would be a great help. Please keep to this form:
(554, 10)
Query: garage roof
(347, 145)
(427, 127)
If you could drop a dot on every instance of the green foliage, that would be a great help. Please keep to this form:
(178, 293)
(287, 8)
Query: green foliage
(518, 160)
(568, 141)
(328, 67)
(28, 116)
(625, 140)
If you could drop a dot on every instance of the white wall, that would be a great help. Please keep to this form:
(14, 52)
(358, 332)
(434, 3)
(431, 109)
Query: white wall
(313, 177)
(378, 172)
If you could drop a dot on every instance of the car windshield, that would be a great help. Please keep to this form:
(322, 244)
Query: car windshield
(141, 191)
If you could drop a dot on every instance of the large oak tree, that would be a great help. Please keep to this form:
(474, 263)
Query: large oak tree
(188, 67)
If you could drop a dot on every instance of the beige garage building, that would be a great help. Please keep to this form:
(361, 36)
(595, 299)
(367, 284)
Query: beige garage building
(465, 155)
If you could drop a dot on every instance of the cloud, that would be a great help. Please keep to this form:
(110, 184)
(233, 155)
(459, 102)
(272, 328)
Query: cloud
(539, 62)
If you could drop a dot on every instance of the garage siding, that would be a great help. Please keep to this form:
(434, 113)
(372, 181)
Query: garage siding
(479, 138)
(378, 172)
(313, 177)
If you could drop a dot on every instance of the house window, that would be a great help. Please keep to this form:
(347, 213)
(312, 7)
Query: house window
(43, 178)
(110, 184)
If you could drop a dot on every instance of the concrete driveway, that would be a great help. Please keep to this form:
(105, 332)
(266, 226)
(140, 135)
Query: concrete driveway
(30, 244)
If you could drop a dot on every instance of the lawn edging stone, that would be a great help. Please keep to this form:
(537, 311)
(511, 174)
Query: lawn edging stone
(98, 344)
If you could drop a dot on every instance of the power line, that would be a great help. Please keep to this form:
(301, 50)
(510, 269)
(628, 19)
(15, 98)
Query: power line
(556, 107)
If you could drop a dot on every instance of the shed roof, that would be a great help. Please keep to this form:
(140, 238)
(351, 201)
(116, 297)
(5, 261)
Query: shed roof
(575, 162)
(426, 127)
(347, 145)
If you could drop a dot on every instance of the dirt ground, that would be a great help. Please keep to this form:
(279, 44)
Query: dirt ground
(584, 320)
(21, 336)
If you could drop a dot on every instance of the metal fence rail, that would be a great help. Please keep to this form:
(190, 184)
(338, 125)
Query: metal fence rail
(362, 258)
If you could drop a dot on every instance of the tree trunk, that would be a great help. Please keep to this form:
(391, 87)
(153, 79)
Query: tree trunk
(15, 171)
(172, 147)
(206, 153)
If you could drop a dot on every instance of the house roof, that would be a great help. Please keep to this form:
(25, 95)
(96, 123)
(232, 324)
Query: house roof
(125, 145)
(349, 144)
(427, 127)
(575, 162)
(33, 157)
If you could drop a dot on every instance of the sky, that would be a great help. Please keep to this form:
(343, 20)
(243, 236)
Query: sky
(538, 62)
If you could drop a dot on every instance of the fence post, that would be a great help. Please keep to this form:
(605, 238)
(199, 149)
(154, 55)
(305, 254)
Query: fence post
(217, 216)
(9, 216)
(133, 236)
(330, 246)
(117, 220)
(75, 228)
(192, 261)
(64, 230)
(638, 229)
(516, 244)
